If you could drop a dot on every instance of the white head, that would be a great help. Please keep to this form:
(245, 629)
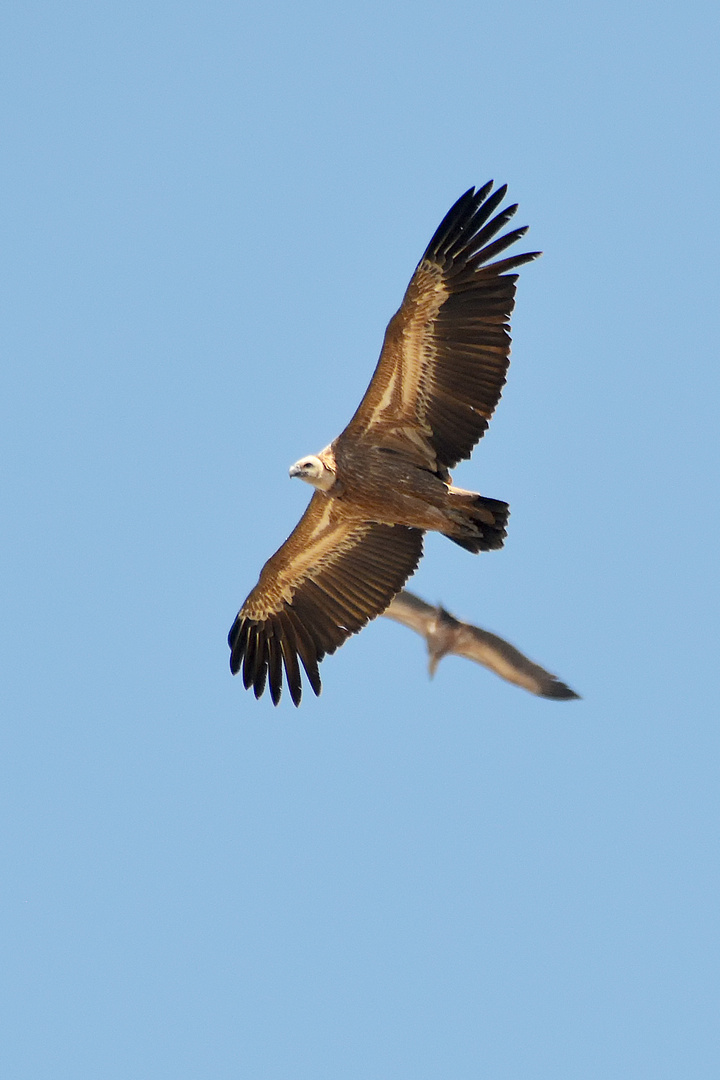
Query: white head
(314, 471)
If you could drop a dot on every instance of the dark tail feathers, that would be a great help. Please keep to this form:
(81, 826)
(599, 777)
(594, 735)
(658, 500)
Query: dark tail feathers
(487, 518)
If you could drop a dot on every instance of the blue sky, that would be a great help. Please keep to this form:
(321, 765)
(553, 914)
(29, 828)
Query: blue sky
(208, 214)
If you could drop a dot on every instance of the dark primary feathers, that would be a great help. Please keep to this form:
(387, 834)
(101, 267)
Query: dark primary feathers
(444, 634)
(324, 584)
(439, 377)
(446, 351)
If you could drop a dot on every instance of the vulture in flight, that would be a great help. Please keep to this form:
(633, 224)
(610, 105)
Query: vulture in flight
(444, 634)
(385, 480)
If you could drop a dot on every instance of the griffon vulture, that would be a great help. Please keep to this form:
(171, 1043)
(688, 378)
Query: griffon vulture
(385, 480)
(444, 634)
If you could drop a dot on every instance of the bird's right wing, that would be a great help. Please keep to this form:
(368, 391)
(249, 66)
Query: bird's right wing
(330, 577)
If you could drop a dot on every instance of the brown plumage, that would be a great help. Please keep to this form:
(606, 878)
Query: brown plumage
(444, 634)
(385, 480)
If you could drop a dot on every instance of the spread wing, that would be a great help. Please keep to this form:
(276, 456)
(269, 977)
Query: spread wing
(445, 634)
(509, 663)
(411, 611)
(446, 351)
(329, 578)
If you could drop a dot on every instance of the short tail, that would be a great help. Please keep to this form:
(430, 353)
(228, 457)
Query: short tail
(482, 521)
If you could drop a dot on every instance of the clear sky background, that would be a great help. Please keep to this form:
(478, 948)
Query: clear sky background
(209, 213)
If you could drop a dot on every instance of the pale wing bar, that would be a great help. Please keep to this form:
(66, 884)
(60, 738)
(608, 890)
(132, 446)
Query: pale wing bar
(328, 605)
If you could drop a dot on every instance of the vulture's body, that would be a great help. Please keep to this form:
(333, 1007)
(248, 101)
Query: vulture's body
(385, 480)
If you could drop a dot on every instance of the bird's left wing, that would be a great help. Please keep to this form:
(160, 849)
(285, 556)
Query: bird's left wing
(330, 577)
(446, 351)
(509, 663)
(411, 611)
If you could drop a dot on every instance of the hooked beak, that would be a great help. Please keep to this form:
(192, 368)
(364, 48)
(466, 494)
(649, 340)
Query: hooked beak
(295, 470)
